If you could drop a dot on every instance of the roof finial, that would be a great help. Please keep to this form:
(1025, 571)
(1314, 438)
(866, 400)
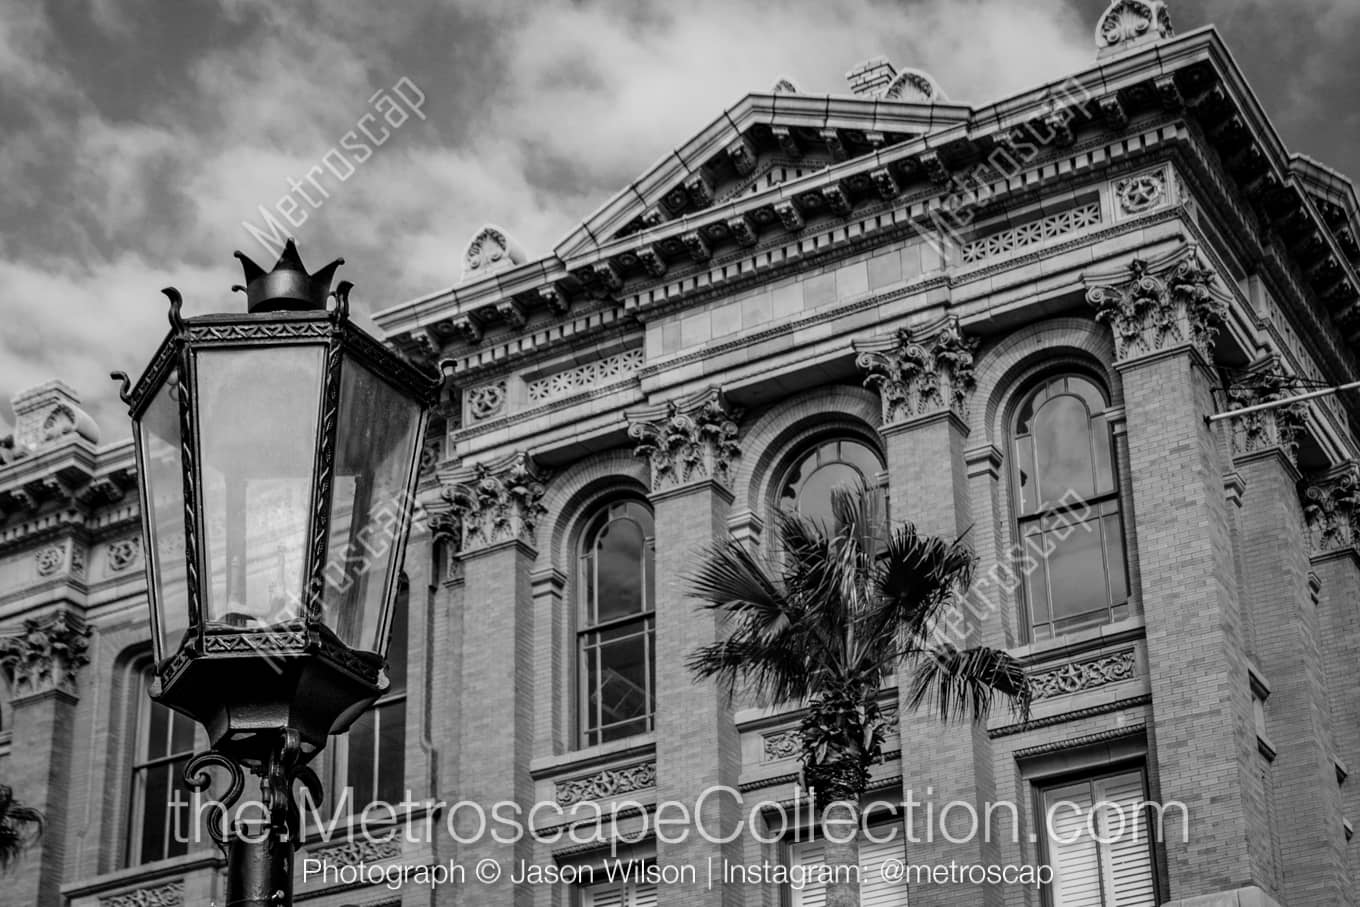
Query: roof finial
(488, 252)
(1131, 24)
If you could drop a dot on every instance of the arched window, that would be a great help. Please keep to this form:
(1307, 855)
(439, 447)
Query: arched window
(1066, 485)
(831, 463)
(165, 741)
(617, 625)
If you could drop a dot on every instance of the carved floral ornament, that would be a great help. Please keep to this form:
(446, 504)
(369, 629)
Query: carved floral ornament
(1128, 22)
(169, 894)
(1159, 305)
(1087, 674)
(489, 252)
(688, 440)
(45, 655)
(610, 782)
(1330, 509)
(497, 502)
(1266, 429)
(918, 377)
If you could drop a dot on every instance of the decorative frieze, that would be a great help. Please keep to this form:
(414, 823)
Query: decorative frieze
(486, 401)
(1329, 509)
(1087, 674)
(689, 440)
(360, 851)
(610, 782)
(586, 377)
(50, 559)
(918, 377)
(788, 743)
(45, 655)
(497, 502)
(1277, 427)
(168, 894)
(1156, 306)
(1032, 233)
(123, 553)
(1141, 192)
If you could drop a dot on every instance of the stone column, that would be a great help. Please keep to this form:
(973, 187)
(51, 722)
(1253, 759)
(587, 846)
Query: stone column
(1276, 592)
(924, 382)
(1165, 315)
(1331, 507)
(498, 505)
(41, 663)
(691, 445)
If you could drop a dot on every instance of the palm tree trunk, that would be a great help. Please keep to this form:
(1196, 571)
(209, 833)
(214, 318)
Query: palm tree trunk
(842, 860)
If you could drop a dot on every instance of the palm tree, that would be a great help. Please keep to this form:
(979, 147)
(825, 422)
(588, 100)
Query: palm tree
(20, 826)
(829, 622)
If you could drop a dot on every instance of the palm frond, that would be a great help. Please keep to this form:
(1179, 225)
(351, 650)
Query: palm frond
(917, 576)
(772, 675)
(961, 684)
(729, 579)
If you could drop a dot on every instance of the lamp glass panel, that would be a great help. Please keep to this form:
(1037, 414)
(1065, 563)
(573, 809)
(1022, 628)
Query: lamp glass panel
(257, 417)
(375, 443)
(163, 474)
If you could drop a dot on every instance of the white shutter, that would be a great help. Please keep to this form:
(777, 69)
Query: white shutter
(1128, 858)
(620, 895)
(874, 891)
(1072, 852)
(604, 896)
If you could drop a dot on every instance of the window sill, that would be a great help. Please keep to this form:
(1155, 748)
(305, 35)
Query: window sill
(590, 757)
(1081, 642)
(110, 883)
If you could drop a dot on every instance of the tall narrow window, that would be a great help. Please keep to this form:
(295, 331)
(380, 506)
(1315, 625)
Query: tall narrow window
(1067, 505)
(1098, 843)
(618, 626)
(374, 751)
(834, 463)
(165, 743)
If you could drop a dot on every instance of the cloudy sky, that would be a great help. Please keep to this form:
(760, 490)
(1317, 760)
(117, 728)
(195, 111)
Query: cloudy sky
(141, 136)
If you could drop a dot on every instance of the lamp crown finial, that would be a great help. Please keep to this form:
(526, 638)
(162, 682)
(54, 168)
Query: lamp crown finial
(288, 287)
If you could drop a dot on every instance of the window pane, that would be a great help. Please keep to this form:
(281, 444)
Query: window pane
(360, 768)
(1062, 442)
(375, 438)
(155, 794)
(258, 452)
(1024, 474)
(624, 682)
(392, 751)
(619, 569)
(164, 478)
(1114, 546)
(1072, 850)
(157, 730)
(396, 651)
(181, 732)
(814, 499)
(1103, 443)
(1076, 570)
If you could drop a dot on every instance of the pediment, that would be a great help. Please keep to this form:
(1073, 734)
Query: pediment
(768, 138)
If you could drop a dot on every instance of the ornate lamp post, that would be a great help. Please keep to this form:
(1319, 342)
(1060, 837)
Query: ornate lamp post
(276, 454)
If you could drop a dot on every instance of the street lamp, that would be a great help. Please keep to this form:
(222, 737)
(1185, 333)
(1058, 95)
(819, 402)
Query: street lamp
(276, 457)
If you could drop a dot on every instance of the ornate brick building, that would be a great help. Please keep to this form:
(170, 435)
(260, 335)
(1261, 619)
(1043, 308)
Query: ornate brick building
(1013, 318)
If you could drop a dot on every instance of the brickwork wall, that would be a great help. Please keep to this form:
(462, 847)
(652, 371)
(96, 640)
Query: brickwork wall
(1339, 632)
(1202, 704)
(1298, 720)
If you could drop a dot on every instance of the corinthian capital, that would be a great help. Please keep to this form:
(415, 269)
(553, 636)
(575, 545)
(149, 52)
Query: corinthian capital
(1331, 508)
(45, 655)
(920, 377)
(688, 440)
(496, 502)
(1153, 306)
(1277, 427)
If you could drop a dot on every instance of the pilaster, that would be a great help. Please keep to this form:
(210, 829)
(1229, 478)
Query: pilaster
(497, 506)
(691, 446)
(925, 381)
(1165, 315)
(42, 663)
